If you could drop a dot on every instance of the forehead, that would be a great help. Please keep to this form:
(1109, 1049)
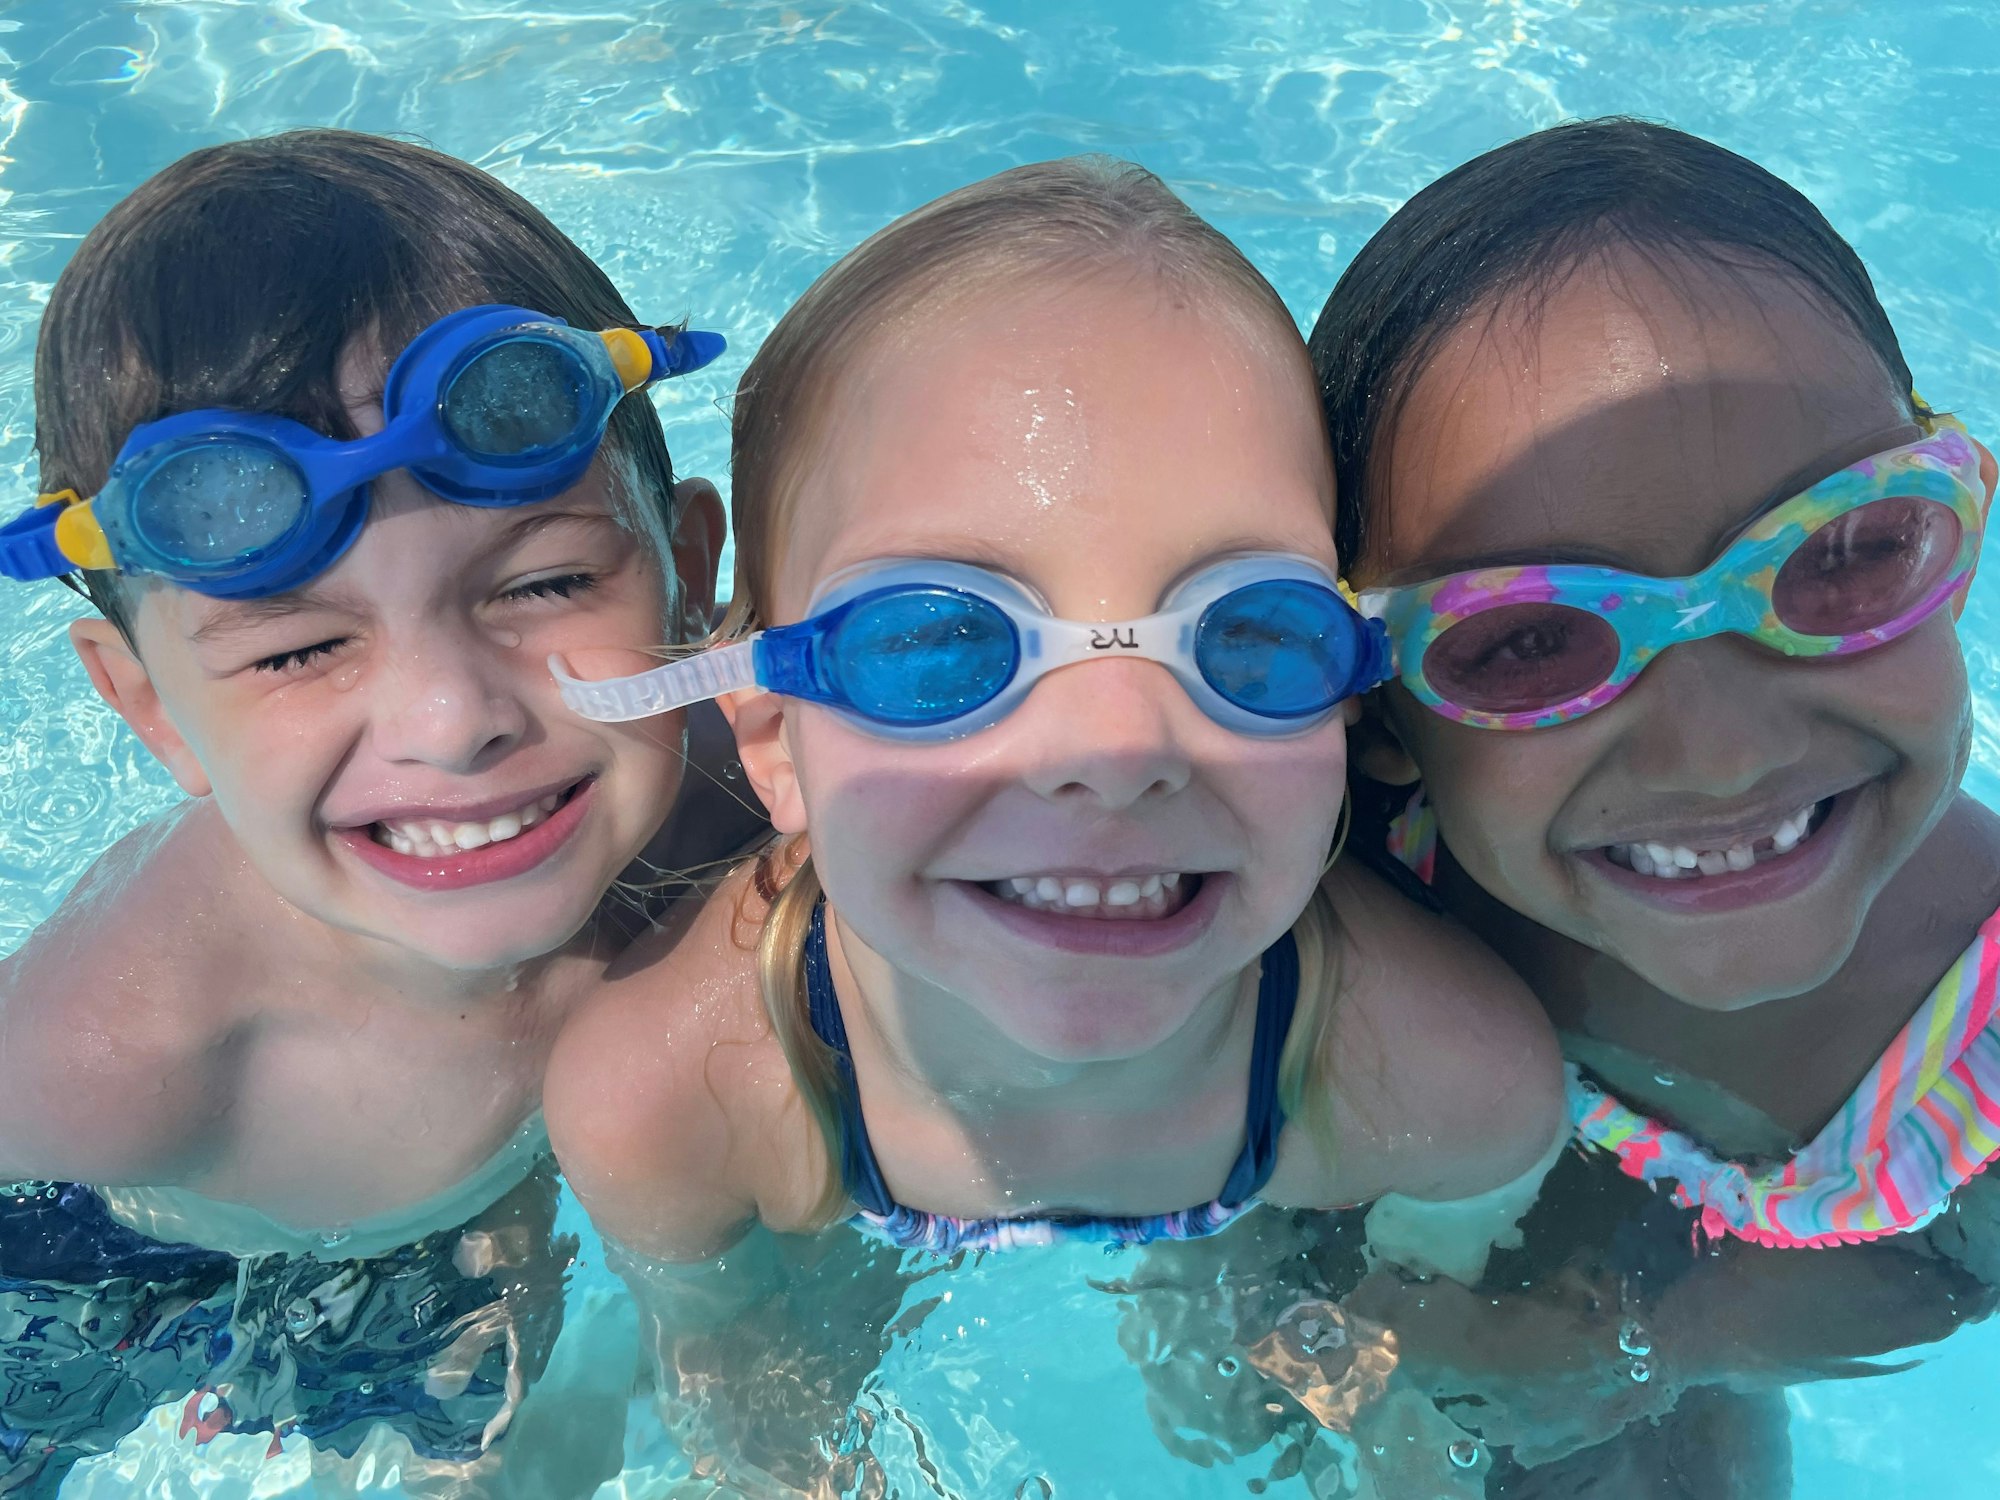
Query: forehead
(1117, 416)
(1637, 416)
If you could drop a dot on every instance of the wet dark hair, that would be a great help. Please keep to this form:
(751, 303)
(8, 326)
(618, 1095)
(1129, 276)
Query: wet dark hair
(237, 277)
(1519, 220)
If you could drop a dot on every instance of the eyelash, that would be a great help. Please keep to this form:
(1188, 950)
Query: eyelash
(560, 586)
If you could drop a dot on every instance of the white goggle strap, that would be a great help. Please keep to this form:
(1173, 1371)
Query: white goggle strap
(693, 679)
(1166, 638)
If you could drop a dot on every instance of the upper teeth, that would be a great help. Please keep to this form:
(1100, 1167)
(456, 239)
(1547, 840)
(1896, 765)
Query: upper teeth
(1674, 861)
(1076, 891)
(426, 838)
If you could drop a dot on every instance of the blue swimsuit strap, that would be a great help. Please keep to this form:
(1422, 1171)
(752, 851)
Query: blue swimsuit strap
(1264, 1120)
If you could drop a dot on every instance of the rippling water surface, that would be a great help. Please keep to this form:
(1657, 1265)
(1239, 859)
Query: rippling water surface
(715, 156)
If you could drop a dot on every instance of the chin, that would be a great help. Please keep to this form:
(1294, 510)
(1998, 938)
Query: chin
(1738, 976)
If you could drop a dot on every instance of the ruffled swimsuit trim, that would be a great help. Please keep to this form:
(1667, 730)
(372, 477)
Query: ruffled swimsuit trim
(1924, 1121)
(914, 1229)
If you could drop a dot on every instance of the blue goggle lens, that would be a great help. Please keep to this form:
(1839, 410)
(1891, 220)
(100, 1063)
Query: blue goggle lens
(915, 657)
(520, 400)
(1281, 649)
(218, 502)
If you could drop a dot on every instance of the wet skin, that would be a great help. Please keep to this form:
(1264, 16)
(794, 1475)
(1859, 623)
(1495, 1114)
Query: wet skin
(1641, 421)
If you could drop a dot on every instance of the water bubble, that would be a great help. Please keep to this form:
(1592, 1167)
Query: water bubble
(1463, 1454)
(732, 770)
(1378, 1450)
(335, 1237)
(1632, 1339)
(366, 1387)
(1640, 1371)
(301, 1316)
(1275, 1408)
(1229, 1364)
(1034, 1487)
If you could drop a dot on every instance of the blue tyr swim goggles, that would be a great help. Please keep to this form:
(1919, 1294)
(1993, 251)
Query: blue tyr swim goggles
(925, 650)
(490, 406)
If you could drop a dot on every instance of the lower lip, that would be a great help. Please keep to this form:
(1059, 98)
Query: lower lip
(482, 866)
(1764, 882)
(1106, 937)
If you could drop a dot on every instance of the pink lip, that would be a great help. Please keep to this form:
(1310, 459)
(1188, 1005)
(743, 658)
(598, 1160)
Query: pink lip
(1108, 939)
(1767, 881)
(501, 861)
(450, 812)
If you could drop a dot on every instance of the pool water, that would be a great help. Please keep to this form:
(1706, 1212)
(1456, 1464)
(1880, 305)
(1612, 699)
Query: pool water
(715, 155)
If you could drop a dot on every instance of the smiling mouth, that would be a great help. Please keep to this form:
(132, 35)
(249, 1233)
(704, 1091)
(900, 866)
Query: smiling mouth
(434, 838)
(1662, 861)
(1128, 898)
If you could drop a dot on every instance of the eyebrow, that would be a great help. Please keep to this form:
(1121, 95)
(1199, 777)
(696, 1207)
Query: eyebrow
(238, 617)
(1794, 484)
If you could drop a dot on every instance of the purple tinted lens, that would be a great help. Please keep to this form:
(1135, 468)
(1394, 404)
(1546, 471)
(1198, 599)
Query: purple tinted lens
(1867, 568)
(1520, 658)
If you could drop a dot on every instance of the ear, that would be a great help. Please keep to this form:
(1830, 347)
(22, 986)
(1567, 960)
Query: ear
(758, 718)
(699, 529)
(122, 681)
(1376, 750)
(1989, 472)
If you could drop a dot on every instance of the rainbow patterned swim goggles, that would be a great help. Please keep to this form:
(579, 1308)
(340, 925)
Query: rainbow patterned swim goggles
(1862, 557)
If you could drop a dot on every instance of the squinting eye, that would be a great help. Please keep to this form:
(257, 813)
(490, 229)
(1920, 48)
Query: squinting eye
(561, 586)
(304, 656)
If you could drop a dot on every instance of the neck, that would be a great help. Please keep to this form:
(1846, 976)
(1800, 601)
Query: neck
(937, 1053)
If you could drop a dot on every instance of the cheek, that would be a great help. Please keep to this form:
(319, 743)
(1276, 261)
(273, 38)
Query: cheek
(1496, 793)
(1913, 693)
(874, 807)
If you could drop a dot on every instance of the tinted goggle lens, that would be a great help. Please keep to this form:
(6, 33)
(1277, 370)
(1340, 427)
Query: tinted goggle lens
(1521, 658)
(1867, 568)
(923, 656)
(219, 502)
(1280, 649)
(520, 399)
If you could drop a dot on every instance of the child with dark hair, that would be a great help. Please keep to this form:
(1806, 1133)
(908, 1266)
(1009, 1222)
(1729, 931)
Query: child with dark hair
(1671, 555)
(271, 1077)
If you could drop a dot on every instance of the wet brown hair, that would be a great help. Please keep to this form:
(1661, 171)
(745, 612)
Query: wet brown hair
(238, 276)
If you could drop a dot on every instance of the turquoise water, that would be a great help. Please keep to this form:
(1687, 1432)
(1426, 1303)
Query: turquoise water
(715, 156)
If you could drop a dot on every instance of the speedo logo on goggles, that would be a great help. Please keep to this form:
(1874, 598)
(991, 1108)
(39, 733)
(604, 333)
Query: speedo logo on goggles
(923, 650)
(490, 406)
(1864, 556)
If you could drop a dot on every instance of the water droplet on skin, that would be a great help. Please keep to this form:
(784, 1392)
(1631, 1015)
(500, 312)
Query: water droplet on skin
(1632, 1339)
(1227, 1365)
(1463, 1454)
(1640, 1371)
(732, 770)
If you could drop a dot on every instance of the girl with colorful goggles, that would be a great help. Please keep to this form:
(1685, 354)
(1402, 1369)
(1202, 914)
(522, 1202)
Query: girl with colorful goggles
(923, 650)
(490, 406)
(1862, 557)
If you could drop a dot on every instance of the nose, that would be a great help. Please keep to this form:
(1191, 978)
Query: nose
(446, 701)
(1716, 717)
(1104, 735)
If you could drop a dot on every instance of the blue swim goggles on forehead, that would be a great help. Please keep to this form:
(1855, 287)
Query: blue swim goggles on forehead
(924, 650)
(489, 406)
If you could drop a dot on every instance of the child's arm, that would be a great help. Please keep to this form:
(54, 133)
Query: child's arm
(668, 1101)
(1447, 1082)
(113, 1063)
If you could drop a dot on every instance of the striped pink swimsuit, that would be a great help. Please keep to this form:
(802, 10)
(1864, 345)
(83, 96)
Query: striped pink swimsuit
(1924, 1121)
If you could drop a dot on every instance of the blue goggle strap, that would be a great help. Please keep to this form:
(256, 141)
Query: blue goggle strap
(678, 684)
(28, 550)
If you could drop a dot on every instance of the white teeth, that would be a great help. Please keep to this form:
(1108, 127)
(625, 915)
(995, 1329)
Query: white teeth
(1130, 896)
(1678, 861)
(427, 838)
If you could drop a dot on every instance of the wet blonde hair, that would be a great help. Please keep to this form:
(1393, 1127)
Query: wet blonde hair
(1028, 226)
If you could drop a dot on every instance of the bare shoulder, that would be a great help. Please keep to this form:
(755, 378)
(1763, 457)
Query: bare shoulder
(115, 1012)
(1447, 1073)
(668, 1096)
